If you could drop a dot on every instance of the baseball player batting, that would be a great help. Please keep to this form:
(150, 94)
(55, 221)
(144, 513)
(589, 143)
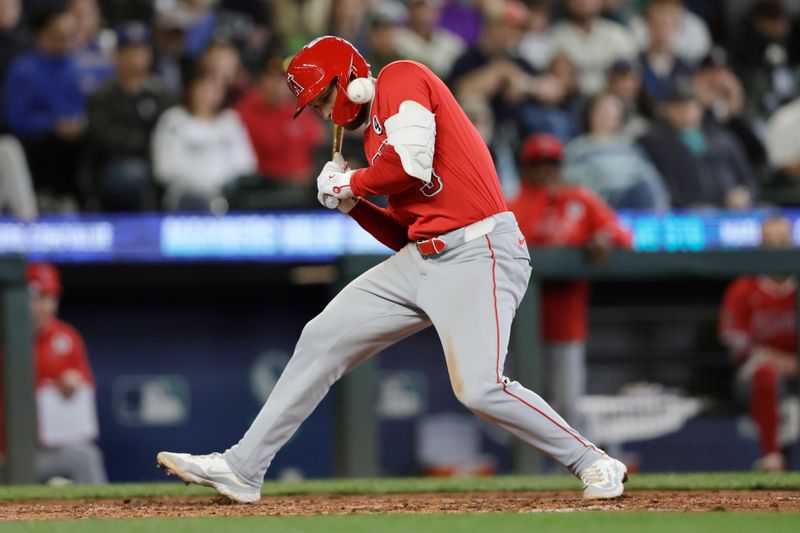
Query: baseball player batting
(461, 265)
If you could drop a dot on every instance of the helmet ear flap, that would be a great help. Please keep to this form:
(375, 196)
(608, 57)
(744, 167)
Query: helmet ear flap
(361, 90)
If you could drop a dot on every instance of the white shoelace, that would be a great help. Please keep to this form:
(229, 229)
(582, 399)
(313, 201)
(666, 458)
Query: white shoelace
(214, 455)
(592, 475)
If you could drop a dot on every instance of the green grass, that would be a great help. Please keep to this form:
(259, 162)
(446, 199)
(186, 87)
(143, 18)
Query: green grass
(696, 481)
(594, 522)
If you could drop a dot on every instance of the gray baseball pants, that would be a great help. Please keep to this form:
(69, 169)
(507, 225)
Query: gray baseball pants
(469, 293)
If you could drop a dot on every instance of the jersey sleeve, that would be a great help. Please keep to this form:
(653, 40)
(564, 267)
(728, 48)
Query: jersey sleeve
(78, 358)
(602, 218)
(735, 318)
(380, 223)
(396, 83)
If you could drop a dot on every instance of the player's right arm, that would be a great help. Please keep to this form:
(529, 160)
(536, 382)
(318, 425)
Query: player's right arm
(734, 320)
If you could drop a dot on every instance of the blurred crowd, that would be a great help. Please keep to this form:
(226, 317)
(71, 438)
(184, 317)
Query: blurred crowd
(133, 105)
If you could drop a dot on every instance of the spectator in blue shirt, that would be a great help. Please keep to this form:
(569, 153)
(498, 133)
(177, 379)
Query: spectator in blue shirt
(45, 108)
(14, 40)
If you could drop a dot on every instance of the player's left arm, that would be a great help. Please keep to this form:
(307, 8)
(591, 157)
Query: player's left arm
(79, 359)
(406, 156)
(380, 222)
(735, 318)
(78, 373)
(605, 232)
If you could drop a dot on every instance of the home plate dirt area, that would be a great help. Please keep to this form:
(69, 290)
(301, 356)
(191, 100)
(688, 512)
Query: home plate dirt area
(475, 502)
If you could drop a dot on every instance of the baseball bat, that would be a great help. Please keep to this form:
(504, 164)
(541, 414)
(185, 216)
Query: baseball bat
(338, 135)
(336, 147)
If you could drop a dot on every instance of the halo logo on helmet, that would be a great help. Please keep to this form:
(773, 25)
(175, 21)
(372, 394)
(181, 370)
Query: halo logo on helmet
(294, 86)
(323, 61)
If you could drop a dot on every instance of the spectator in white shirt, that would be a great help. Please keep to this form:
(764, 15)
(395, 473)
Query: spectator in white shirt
(592, 43)
(200, 147)
(537, 46)
(692, 43)
(783, 143)
(423, 41)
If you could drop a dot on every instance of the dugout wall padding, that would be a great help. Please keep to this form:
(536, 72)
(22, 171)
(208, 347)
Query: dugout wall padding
(18, 405)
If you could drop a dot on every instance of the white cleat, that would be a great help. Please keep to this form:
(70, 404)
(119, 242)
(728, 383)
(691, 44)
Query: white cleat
(603, 479)
(210, 471)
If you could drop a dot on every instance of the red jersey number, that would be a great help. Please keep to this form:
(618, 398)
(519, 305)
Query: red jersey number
(433, 187)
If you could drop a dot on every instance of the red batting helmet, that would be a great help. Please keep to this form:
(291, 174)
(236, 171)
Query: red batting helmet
(541, 147)
(44, 278)
(320, 62)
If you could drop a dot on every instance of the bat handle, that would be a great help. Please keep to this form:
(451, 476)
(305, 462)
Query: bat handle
(338, 135)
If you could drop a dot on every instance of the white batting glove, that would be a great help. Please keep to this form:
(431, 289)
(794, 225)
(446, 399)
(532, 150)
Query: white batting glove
(333, 183)
(336, 184)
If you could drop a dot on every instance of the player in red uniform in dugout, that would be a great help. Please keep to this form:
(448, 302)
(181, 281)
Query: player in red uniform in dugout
(552, 213)
(64, 384)
(757, 324)
(462, 266)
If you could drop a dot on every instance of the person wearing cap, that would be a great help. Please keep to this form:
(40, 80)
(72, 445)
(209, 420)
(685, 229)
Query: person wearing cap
(46, 109)
(62, 367)
(283, 147)
(171, 61)
(197, 20)
(701, 164)
(122, 116)
(15, 40)
(717, 86)
(757, 326)
(553, 213)
(461, 266)
(722, 96)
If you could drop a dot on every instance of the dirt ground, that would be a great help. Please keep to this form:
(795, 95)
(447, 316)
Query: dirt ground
(522, 502)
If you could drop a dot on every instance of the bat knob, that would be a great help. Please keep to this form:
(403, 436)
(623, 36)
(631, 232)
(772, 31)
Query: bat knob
(331, 202)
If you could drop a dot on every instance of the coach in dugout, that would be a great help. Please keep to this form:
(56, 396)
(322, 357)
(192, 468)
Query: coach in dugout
(757, 324)
(65, 393)
(552, 213)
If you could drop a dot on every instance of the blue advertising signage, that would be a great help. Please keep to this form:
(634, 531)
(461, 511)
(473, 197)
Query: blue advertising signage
(313, 236)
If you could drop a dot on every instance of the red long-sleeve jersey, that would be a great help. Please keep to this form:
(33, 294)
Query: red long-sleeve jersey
(58, 348)
(758, 311)
(565, 216)
(464, 187)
